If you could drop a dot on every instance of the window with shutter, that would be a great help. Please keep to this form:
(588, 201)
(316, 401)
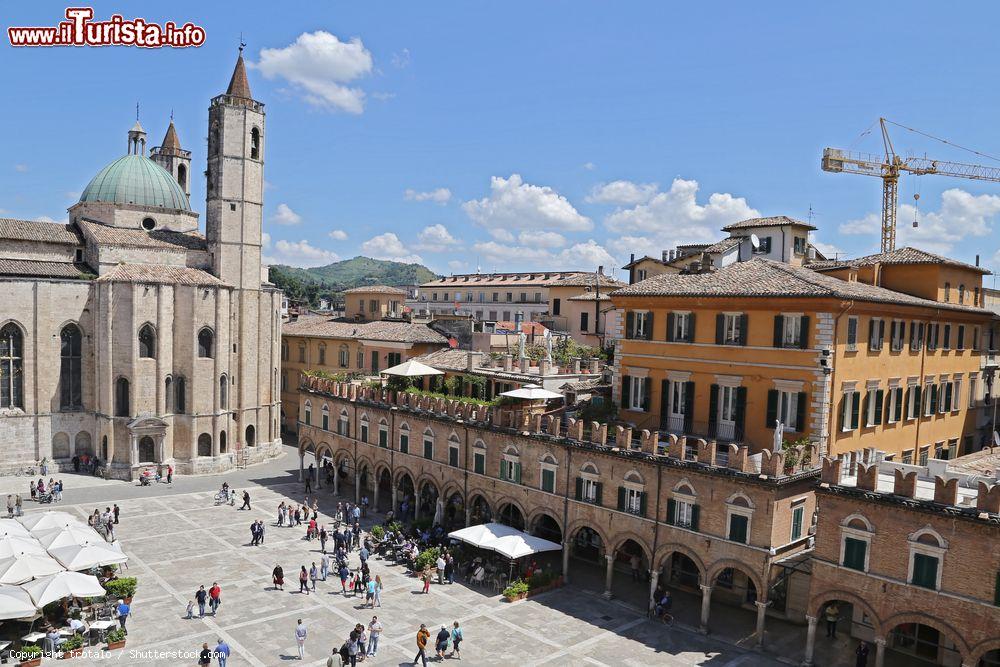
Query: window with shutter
(738, 528)
(797, 516)
(479, 464)
(854, 553)
(925, 571)
(548, 481)
(404, 443)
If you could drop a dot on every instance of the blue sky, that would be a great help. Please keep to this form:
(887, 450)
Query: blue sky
(533, 134)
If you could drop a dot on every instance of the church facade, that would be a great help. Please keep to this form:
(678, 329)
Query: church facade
(128, 335)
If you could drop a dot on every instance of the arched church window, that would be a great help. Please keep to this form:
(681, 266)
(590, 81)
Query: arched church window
(223, 392)
(206, 341)
(70, 380)
(147, 342)
(180, 396)
(182, 174)
(123, 403)
(255, 144)
(204, 444)
(11, 366)
(168, 395)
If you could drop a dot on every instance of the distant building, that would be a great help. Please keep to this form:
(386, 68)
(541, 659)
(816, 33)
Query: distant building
(374, 302)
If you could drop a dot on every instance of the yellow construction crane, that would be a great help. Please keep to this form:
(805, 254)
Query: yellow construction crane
(889, 168)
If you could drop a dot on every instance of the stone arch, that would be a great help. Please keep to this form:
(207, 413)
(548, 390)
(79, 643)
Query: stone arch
(450, 488)
(682, 484)
(981, 649)
(60, 445)
(869, 526)
(531, 524)
(819, 601)
(537, 513)
(635, 477)
(576, 525)
(718, 566)
(83, 444)
(476, 499)
(928, 531)
(745, 500)
(305, 445)
(953, 635)
(508, 501)
(381, 467)
(664, 552)
(624, 536)
(403, 470)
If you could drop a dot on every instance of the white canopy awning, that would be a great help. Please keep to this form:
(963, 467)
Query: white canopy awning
(411, 369)
(27, 566)
(36, 522)
(15, 603)
(532, 392)
(505, 540)
(70, 535)
(63, 585)
(78, 557)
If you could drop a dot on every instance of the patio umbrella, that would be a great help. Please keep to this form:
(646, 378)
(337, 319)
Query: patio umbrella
(70, 535)
(411, 369)
(15, 603)
(12, 527)
(78, 557)
(63, 585)
(27, 566)
(51, 519)
(532, 392)
(11, 545)
(521, 545)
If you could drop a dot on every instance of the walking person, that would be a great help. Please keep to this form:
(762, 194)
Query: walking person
(123, 613)
(278, 577)
(33, 489)
(442, 642)
(440, 564)
(370, 593)
(322, 539)
(201, 597)
(215, 597)
(426, 576)
(10, 506)
(861, 655)
(222, 652)
(303, 581)
(246, 501)
(260, 532)
(115, 509)
(205, 656)
(170, 474)
(344, 574)
(378, 591)
(456, 639)
(313, 575)
(422, 636)
(18, 507)
(374, 632)
(309, 486)
(449, 569)
(300, 634)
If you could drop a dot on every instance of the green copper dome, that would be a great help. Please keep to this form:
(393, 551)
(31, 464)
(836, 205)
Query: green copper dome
(135, 179)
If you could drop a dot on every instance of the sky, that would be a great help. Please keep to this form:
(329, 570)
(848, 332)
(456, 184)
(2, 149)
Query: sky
(533, 135)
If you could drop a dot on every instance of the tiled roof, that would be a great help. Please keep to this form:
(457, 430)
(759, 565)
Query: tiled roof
(158, 274)
(526, 279)
(528, 328)
(910, 255)
(448, 359)
(238, 84)
(375, 289)
(140, 238)
(724, 245)
(400, 332)
(588, 280)
(644, 258)
(828, 264)
(773, 221)
(33, 230)
(590, 296)
(766, 278)
(583, 385)
(33, 269)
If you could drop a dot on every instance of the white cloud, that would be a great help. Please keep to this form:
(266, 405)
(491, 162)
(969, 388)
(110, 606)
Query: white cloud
(622, 192)
(285, 216)
(829, 250)
(320, 66)
(296, 253)
(436, 238)
(382, 96)
(589, 166)
(388, 246)
(456, 265)
(501, 234)
(401, 58)
(675, 216)
(541, 239)
(514, 204)
(584, 256)
(438, 195)
(45, 218)
(21, 168)
(961, 215)
(338, 235)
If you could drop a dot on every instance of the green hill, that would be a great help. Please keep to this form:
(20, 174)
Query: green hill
(310, 284)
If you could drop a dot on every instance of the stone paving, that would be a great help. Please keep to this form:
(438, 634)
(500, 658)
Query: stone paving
(178, 539)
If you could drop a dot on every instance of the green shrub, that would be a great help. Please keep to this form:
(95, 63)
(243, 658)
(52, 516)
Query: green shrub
(29, 651)
(74, 642)
(378, 532)
(422, 524)
(123, 587)
(395, 526)
(516, 588)
(460, 399)
(116, 635)
(539, 579)
(427, 558)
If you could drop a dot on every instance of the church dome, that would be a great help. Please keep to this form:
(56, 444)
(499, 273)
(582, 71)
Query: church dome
(135, 179)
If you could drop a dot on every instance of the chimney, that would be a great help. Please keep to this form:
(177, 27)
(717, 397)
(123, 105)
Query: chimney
(472, 360)
(600, 270)
(665, 256)
(508, 362)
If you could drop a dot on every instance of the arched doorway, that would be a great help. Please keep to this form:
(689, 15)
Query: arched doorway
(631, 556)
(921, 644)
(147, 450)
(427, 501)
(454, 510)
(60, 446)
(510, 515)
(990, 659)
(83, 444)
(587, 545)
(384, 491)
(547, 528)
(481, 512)
(405, 496)
(680, 571)
(222, 442)
(205, 444)
(251, 435)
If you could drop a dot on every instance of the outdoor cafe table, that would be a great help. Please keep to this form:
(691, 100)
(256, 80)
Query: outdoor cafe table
(102, 627)
(33, 637)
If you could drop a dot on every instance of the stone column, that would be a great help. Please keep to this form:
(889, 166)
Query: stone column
(807, 661)
(416, 506)
(302, 464)
(879, 651)
(395, 500)
(318, 482)
(654, 577)
(706, 606)
(375, 497)
(336, 482)
(609, 575)
(357, 487)
(468, 516)
(565, 558)
(761, 616)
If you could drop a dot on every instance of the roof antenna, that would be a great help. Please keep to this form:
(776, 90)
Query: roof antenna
(171, 115)
(137, 111)
(243, 44)
(811, 213)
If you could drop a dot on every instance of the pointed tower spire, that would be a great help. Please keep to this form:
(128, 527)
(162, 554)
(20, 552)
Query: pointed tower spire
(238, 85)
(170, 140)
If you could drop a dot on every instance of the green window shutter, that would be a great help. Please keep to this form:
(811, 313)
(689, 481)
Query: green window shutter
(383, 438)
(899, 403)
(672, 511)
(517, 473)
(925, 571)
(480, 463)
(738, 528)
(548, 481)
(917, 401)
(879, 399)
(804, 333)
(771, 416)
(800, 413)
(871, 334)
(649, 326)
(629, 324)
(500, 474)
(626, 391)
(621, 498)
(741, 411)
(670, 327)
(695, 515)
(688, 405)
(664, 402)
(744, 325)
(600, 492)
(404, 444)
(797, 522)
(647, 389)
(779, 329)
(855, 409)
(579, 488)
(713, 407)
(642, 504)
(934, 399)
(720, 329)
(690, 331)
(854, 553)
(453, 457)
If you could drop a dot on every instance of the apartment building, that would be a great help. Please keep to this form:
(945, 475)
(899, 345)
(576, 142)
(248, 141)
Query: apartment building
(884, 351)
(373, 302)
(581, 307)
(316, 344)
(907, 556)
(715, 527)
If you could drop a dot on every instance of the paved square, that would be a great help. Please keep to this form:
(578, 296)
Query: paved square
(179, 539)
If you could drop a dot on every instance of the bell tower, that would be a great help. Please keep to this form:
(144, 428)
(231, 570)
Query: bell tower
(235, 183)
(174, 159)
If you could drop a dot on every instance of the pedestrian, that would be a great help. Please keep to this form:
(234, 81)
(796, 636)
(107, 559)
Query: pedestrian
(116, 510)
(861, 655)
(205, 656)
(260, 532)
(378, 591)
(422, 636)
(309, 487)
(57, 491)
(215, 597)
(442, 642)
(190, 610)
(832, 616)
(300, 634)
(170, 474)
(374, 632)
(427, 576)
(362, 636)
(357, 585)
(324, 565)
(18, 508)
(449, 569)
(123, 612)
(278, 577)
(201, 596)
(34, 489)
(222, 652)
(44, 465)
(634, 562)
(10, 506)
(313, 575)
(364, 506)
(456, 639)
(344, 574)
(303, 581)
(440, 565)
(246, 501)
(253, 534)
(322, 539)
(281, 512)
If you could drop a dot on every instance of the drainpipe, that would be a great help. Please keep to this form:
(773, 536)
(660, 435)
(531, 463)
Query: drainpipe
(831, 423)
(565, 526)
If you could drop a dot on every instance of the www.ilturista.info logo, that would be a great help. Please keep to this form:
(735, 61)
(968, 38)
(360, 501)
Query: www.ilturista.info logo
(80, 30)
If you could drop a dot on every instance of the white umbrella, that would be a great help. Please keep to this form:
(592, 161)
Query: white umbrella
(63, 585)
(15, 603)
(51, 519)
(61, 537)
(12, 527)
(411, 368)
(532, 392)
(503, 539)
(11, 545)
(27, 566)
(78, 557)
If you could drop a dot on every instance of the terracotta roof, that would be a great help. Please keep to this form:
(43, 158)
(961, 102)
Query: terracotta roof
(526, 279)
(828, 264)
(724, 245)
(33, 230)
(238, 85)
(170, 140)
(34, 269)
(583, 385)
(766, 278)
(400, 332)
(140, 238)
(590, 296)
(985, 462)
(158, 274)
(588, 280)
(644, 258)
(773, 221)
(910, 255)
(528, 328)
(449, 359)
(375, 289)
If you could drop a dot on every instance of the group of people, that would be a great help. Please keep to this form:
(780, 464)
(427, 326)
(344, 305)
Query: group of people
(104, 522)
(14, 507)
(84, 462)
(211, 598)
(44, 493)
(257, 533)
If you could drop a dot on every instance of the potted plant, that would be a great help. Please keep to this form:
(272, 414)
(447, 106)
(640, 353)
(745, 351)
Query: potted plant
(73, 646)
(518, 590)
(378, 532)
(116, 639)
(122, 588)
(426, 558)
(30, 655)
